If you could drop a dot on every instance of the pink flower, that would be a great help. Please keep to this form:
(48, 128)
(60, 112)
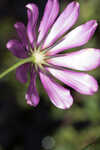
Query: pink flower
(46, 50)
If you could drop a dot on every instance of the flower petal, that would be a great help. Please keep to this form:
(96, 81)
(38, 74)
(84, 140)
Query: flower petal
(16, 48)
(81, 82)
(32, 96)
(32, 14)
(64, 22)
(59, 96)
(21, 73)
(21, 30)
(50, 13)
(84, 60)
(76, 37)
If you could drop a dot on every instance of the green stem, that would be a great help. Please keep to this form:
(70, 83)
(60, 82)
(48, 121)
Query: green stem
(26, 60)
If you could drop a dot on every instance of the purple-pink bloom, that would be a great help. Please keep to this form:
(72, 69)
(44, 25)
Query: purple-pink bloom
(49, 62)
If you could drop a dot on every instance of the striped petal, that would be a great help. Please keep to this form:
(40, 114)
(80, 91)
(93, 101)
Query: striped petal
(59, 96)
(32, 96)
(32, 14)
(75, 38)
(84, 60)
(21, 30)
(64, 22)
(50, 13)
(22, 73)
(16, 48)
(81, 82)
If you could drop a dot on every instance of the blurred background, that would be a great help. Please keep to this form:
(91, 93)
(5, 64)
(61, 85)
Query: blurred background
(45, 127)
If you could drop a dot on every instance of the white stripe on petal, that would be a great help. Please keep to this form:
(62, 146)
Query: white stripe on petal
(59, 96)
(64, 22)
(75, 38)
(84, 60)
(81, 82)
(50, 13)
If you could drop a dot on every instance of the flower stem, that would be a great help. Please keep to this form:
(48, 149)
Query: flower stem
(26, 60)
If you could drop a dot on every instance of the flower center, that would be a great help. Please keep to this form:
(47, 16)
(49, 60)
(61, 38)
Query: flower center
(38, 58)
